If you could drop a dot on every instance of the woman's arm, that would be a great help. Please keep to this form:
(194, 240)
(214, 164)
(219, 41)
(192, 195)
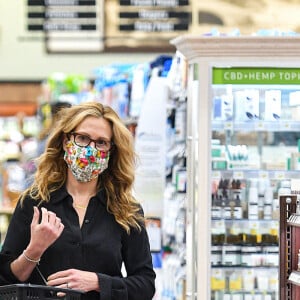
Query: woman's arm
(139, 284)
(42, 235)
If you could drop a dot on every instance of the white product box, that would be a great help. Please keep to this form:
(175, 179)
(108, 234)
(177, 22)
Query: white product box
(223, 108)
(272, 105)
(247, 105)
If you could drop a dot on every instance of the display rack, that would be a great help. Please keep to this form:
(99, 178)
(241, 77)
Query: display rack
(289, 248)
(224, 68)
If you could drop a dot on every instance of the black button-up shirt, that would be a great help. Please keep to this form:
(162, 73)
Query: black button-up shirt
(101, 245)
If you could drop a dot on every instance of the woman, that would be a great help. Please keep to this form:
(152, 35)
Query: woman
(78, 223)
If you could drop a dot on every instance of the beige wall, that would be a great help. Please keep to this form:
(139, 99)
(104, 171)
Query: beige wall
(22, 58)
(23, 55)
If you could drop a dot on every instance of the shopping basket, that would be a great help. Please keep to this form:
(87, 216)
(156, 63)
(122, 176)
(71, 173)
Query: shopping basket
(36, 292)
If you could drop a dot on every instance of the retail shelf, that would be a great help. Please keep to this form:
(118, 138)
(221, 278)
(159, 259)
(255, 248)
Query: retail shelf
(252, 174)
(6, 210)
(224, 267)
(257, 125)
(228, 220)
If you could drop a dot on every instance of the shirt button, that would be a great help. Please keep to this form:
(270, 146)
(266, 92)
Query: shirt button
(86, 221)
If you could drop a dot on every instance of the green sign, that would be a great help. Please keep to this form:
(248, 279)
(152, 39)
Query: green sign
(256, 75)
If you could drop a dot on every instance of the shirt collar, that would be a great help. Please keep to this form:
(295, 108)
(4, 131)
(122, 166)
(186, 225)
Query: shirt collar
(62, 193)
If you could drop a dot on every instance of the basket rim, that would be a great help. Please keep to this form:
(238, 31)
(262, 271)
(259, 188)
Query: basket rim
(44, 287)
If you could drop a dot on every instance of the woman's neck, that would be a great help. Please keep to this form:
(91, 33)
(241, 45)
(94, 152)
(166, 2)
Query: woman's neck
(81, 189)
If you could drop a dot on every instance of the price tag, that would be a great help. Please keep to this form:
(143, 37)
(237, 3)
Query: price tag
(279, 175)
(286, 125)
(216, 175)
(228, 126)
(263, 175)
(260, 126)
(238, 175)
(295, 277)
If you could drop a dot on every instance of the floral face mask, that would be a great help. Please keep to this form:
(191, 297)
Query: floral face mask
(86, 163)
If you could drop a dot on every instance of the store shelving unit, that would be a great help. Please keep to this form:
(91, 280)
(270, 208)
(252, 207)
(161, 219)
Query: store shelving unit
(227, 68)
(6, 211)
(18, 142)
(5, 215)
(289, 248)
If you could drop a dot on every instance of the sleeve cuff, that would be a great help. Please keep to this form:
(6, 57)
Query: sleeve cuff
(105, 285)
(6, 271)
(111, 288)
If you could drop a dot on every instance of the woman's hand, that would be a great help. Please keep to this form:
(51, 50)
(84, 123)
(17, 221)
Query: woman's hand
(43, 233)
(74, 279)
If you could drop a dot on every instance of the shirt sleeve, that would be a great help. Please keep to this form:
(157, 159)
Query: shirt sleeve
(139, 284)
(16, 240)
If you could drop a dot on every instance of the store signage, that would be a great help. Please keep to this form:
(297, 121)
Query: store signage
(98, 25)
(60, 2)
(148, 20)
(169, 3)
(150, 144)
(149, 24)
(160, 22)
(68, 25)
(256, 75)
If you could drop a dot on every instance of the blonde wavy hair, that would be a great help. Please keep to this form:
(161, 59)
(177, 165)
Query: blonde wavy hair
(117, 180)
